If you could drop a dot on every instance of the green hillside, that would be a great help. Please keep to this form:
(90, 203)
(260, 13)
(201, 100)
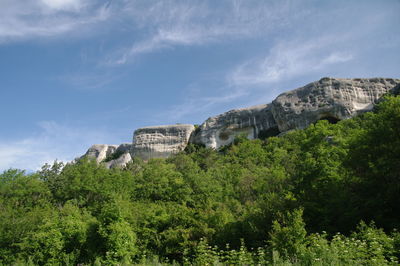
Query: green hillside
(325, 195)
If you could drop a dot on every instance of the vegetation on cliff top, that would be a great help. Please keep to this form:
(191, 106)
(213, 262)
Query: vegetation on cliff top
(282, 200)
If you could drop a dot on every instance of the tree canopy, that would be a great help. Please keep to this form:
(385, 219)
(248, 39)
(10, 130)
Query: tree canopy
(328, 194)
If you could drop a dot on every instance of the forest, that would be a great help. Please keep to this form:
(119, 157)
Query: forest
(325, 195)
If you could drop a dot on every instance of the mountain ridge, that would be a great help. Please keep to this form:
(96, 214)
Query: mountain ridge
(332, 99)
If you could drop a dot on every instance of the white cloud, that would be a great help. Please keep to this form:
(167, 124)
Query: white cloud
(192, 105)
(149, 25)
(255, 80)
(53, 141)
(337, 57)
(22, 20)
(289, 59)
(63, 4)
(172, 23)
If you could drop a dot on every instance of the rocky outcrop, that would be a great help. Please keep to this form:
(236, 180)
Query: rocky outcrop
(120, 161)
(160, 141)
(254, 122)
(148, 142)
(111, 155)
(100, 152)
(329, 98)
(124, 148)
(332, 99)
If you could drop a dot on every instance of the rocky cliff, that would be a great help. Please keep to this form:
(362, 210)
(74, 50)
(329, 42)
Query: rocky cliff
(221, 130)
(110, 155)
(329, 98)
(333, 99)
(100, 151)
(160, 141)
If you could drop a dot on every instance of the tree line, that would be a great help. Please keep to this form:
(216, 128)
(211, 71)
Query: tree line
(328, 194)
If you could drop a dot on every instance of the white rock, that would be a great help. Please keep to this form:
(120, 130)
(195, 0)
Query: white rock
(121, 161)
(222, 129)
(160, 141)
(328, 98)
(100, 151)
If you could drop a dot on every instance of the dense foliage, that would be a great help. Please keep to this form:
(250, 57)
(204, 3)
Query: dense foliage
(282, 200)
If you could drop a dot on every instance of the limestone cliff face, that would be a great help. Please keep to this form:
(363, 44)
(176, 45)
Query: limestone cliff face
(160, 141)
(329, 98)
(148, 142)
(222, 129)
(99, 152)
(333, 99)
(120, 161)
(120, 154)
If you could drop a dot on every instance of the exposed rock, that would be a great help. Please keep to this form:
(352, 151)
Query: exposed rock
(119, 154)
(221, 130)
(329, 98)
(160, 141)
(100, 151)
(121, 161)
(124, 148)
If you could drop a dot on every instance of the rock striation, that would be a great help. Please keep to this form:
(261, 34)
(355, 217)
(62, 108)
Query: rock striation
(333, 99)
(329, 98)
(100, 152)
(221, 130)
(120, 161)
(111, 155)
(160, 141)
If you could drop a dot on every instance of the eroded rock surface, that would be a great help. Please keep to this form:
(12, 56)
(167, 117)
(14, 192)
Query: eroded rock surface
(124, 148)
(111, 155)
(333, 99)
(254, 122)
(120, 161)
(329, 98)
(160, 141)
(99, 152)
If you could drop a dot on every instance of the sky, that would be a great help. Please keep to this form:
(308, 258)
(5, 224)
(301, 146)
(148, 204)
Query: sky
(79, 72)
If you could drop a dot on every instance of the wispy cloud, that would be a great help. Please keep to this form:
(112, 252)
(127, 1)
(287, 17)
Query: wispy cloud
(271, 42)
(198, 105)
(21, 20)
(178, 23)
(257, 77)
(326, 42)
(52, 141)
(68, 5)
(94, 80)
(290, 59)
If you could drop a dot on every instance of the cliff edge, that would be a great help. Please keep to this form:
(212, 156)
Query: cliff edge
(333, 99)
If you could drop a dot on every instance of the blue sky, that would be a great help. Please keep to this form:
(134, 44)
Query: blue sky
(79, 72)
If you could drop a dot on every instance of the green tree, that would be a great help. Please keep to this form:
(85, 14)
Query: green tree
(288, 235)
